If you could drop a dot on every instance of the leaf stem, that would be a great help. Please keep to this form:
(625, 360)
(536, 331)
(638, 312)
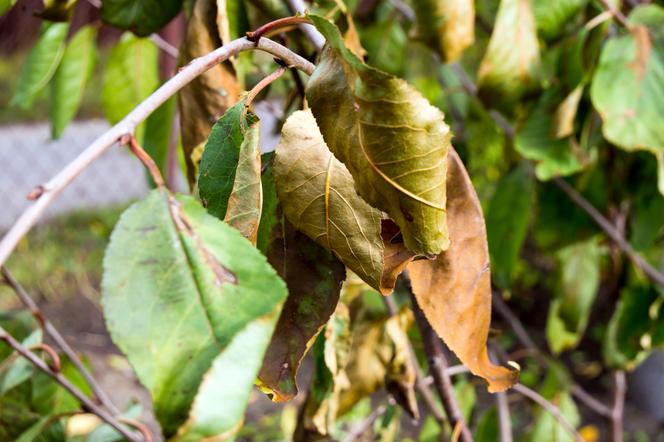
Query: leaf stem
(145, 158)
(277, 25)
(263, 84)
(64, 382)
(51, 331)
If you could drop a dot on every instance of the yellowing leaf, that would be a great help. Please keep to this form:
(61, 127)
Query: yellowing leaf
(246, 199)
(510, 67)
(208, 96)
(318, 198)
(454, 290)
(393, 142)
(313, 277)
(448, 26)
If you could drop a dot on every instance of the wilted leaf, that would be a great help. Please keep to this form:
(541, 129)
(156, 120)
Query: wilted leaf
(41, 64)
(71, 78)
(509, 212)
(184, 295)
(633, 113)
(454, 290)
(553, 16)
(57, 10)
(208, 96)
(380, 357)
(131, 75)
(510, 68)
(313, 277)
(638, 316)
(448, 26)
(142, 17)
(577, 285)
(393, 142)
(563, 119)
(536, 140)
(318, 198)
(270, 213)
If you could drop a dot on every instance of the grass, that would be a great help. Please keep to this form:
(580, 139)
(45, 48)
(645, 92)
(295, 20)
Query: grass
(63, 257)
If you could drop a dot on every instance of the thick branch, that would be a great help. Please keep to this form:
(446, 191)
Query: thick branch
(611, 232)
(64, 382)
(437, 366)
(51, 331)
(46, 193)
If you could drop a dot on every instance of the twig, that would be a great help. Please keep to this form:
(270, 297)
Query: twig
(522, 335)
(298, 6)
(421, 382)
(504, 419)
(437, 366)
(145, 158)
(357, 432)
(51, 331)
(263, 84)
(618, 406)
(49, 191)
(616, 12)
(611, 231)
(550, 408)
(64, 382)
(272, 27)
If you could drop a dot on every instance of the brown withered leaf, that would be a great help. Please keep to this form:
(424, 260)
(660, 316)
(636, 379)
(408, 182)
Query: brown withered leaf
(447, 26)
(380, 357)
(246, 198)
(318, 197)
(391, 139)
(454, 290)
(208, 96)
(313, 276)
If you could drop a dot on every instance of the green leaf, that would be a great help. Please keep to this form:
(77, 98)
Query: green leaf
(142, 17)
(536, 140)
(41, 64)
(317, 195)
(487, 428)
(448, 26)
(15, 369)
(106, 433)
(647, 217)
(35, 431)
(633, 113)
(6, 5)
(577, 285)
(190, 302)
(48, 397)
(157, 135)
(509, 212)
(221, 157)
(313, 277)
(386, 41)
(553, 16)
(629, 338)
(71, 77)
(548, 429)
(510, 67)
(131, 75)
(393, 142)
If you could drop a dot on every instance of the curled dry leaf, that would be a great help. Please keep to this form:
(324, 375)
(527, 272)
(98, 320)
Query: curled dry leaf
(511, 64)
(246, 199)
(454, 290)
(206, 98)
(319, 199)
(391, 139)
(448, 26)
(313, 276)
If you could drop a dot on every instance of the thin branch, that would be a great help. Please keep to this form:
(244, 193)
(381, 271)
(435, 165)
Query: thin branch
(46, 193)
(275, 26)
(64, 382)
(298, 7)
(54, 334)
(550, 408)
(437, 366)
(522, 335)
(618, 406)
(145, 158)
(616, 12)
(611, 231)
(362, 428)
(504, 418)
(263, 84)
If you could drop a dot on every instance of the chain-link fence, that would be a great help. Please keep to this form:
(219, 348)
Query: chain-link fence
(28, 157)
